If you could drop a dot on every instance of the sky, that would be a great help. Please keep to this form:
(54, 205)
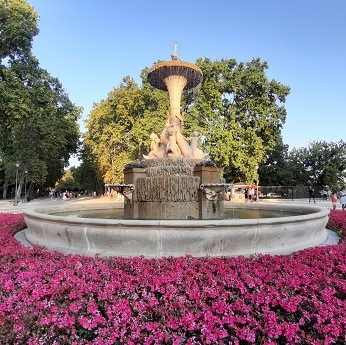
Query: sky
(90, 46)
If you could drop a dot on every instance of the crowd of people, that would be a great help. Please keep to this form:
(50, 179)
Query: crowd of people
(248, 193)
(69, 195)
(332, 195)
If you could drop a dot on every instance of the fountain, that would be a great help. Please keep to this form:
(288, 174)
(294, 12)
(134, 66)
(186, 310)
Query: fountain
(175, 180)
(174, 201)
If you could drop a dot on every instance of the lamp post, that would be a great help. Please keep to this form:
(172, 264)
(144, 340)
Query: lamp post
(257, 176)
(15, 192)
(26, 175)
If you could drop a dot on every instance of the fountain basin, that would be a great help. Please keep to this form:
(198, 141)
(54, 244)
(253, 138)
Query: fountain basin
(159, 238)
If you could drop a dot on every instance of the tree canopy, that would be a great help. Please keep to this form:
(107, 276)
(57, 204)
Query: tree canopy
(239, 112)
(274, 170)
(118, 128)
(320, 164)
(18, 27)
(38, 122)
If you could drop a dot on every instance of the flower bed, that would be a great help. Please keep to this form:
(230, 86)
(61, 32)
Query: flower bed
(337, 223)
(50, 298)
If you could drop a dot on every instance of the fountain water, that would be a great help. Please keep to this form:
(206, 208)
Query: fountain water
(174, 201)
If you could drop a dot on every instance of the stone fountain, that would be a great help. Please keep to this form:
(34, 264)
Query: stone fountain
(174, 201)
(175, 180)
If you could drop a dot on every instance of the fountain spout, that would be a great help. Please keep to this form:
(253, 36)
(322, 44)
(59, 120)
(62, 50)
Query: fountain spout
(126, 190)
(175, 55)
(212, 191)
(213, 194)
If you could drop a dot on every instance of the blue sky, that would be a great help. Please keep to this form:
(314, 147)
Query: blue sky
(91, 45)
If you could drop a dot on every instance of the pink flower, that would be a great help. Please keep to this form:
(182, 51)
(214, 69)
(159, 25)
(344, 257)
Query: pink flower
(51, 298)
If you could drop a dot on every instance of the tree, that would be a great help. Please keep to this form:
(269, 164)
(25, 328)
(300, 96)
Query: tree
(274, 171)
(38, 125)
(119, 127)
(87, 174)
(320, 164)
(242, 114)
(238, 111)
(67, 182)
(18, 27)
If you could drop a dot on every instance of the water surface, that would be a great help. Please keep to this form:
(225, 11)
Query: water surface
(232, 213)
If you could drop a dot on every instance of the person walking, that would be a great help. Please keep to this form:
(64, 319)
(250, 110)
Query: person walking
(311, 195)
(324, 195)
(250, 194)
(246, 194)
(343, 198)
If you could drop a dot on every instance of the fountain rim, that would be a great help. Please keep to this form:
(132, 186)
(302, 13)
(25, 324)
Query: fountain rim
(162, 238)
(177, 223)
(160, 71)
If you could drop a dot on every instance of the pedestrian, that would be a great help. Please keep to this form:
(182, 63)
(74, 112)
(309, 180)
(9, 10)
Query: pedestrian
(334, 200)
(246, 194)
(342, 194)
(228, 194)
(250, 193)
(311, 194)
(324, 194)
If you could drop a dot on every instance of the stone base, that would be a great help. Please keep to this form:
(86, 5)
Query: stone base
(168, 210)
(209, 209)
(171, 189)
(158, 238)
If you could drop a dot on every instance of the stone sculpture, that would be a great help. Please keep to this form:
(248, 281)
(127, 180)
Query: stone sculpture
(168, 181)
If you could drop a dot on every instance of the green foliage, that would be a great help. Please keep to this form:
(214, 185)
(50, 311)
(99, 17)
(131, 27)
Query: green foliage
(39, 126)
(86, 175)
(241, 113)
(119, 127)
(274, 171)
(237, 110)
(38, 122)
(320, 164)
(66, 182)
(18, 27)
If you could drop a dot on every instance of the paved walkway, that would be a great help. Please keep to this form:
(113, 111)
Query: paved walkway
(6, 206)
(319, 202)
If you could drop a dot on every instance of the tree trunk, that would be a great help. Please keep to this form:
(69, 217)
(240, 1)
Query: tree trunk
(30, 191)
(4, 192)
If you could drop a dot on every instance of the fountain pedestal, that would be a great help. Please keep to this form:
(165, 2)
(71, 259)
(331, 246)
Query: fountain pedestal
(171, 189)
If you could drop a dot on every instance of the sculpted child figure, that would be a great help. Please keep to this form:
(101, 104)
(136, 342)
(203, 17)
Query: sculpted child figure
(196, 152)
(156, 149)
(172, 143)
(172, 147)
